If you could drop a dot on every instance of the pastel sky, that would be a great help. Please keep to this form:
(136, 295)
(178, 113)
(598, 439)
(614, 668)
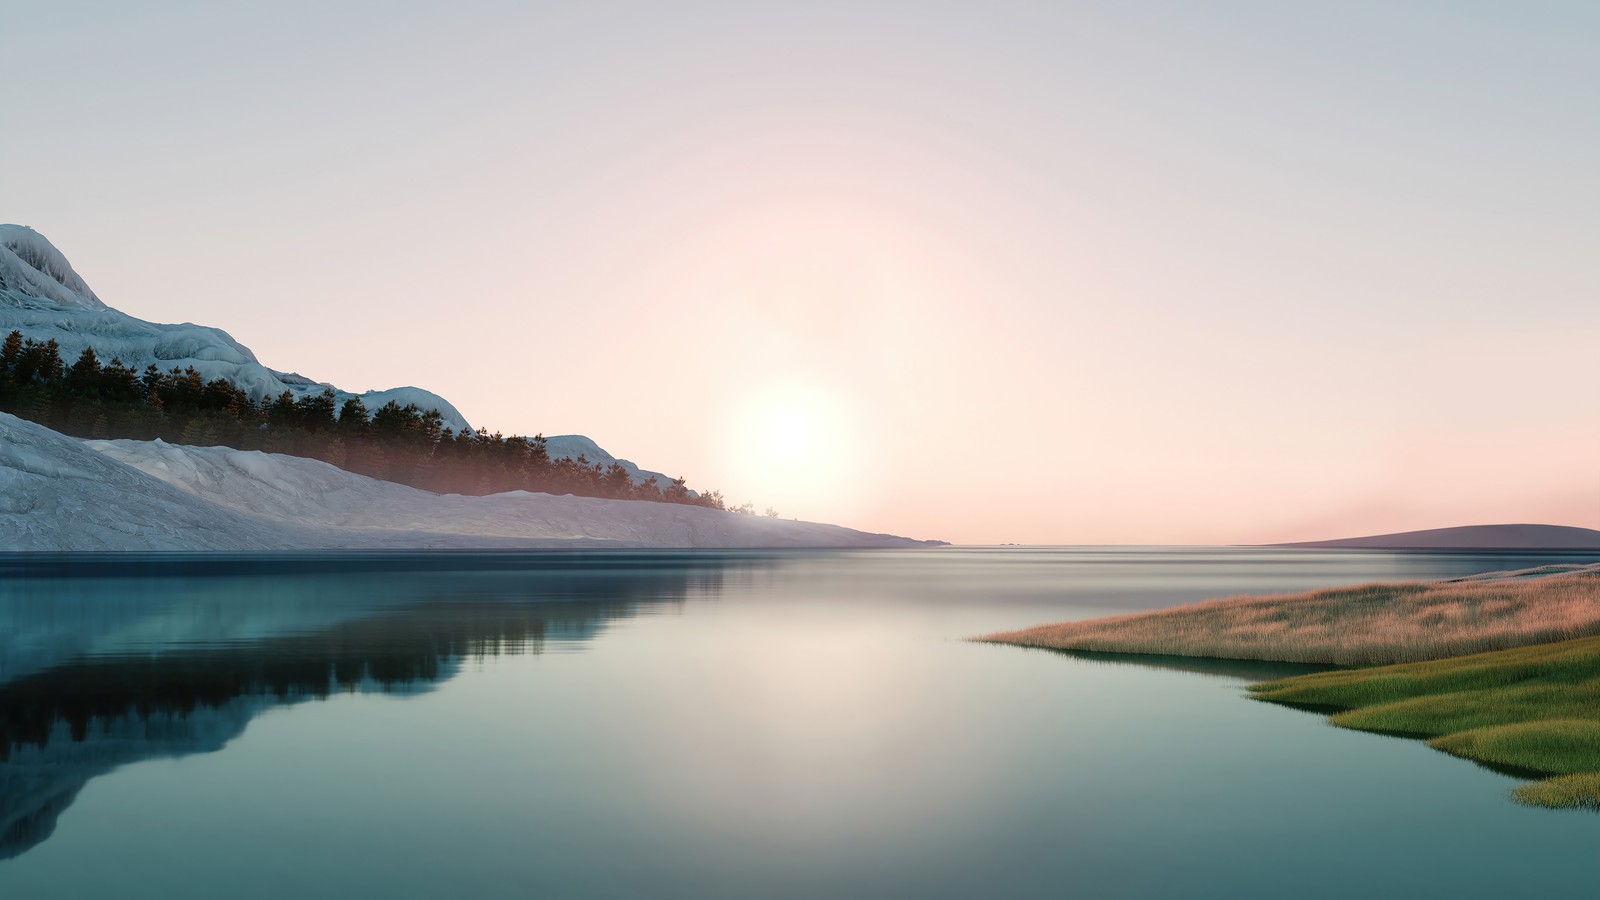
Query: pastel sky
(1054, 272)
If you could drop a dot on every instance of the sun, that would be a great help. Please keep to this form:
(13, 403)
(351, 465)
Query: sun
(789, 435)
(791, 446)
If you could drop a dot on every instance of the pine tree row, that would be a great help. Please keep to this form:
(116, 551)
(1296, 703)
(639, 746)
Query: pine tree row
(396, 443)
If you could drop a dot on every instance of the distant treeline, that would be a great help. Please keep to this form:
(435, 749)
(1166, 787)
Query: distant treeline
(395, 443)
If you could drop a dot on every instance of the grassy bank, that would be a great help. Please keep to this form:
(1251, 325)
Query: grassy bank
(1370, 624)
(1533, 711)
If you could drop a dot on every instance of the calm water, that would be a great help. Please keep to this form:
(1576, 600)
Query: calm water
(706, 725)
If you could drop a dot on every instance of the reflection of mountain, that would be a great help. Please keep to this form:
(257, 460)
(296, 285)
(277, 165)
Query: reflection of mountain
(39, 782)
(106, 671)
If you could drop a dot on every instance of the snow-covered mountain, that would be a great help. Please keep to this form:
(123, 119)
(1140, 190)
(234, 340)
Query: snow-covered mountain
(572, 446)
(42, 297)
(58, 493)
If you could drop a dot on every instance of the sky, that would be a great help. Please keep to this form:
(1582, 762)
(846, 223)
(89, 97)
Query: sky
(1053, 272)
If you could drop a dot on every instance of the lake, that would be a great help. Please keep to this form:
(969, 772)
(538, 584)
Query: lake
(632, 724)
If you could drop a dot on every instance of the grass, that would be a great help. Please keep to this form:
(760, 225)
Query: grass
(1531, 711)
(1566, 792)
(1369, 624)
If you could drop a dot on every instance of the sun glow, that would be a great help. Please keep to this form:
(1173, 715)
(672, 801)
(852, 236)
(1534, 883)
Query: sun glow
(790, 446)
(788, 436)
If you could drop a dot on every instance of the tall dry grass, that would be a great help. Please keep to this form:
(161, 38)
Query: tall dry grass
(1367, 624)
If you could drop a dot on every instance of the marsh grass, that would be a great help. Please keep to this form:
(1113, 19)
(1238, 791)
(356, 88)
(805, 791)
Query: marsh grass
(1531, 711)
(1566, 792)
(1369, 624)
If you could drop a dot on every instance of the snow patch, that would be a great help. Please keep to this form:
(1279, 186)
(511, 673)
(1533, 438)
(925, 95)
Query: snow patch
(32, 266)
(58, 493)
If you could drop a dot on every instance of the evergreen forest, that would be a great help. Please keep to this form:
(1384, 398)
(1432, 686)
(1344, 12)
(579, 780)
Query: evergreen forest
(403, 444)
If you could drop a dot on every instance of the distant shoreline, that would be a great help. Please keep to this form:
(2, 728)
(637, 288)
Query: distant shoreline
(1468, 537)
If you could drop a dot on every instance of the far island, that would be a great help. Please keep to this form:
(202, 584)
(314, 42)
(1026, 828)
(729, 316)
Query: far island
(1471, 537)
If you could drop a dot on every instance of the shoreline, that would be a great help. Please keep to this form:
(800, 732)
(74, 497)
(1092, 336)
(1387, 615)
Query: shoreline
(1405, 659)
(1376, 623)
(1531, 713)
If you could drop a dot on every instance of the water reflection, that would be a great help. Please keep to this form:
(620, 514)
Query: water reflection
(1234, 669)
(793, 724)
(129, 659)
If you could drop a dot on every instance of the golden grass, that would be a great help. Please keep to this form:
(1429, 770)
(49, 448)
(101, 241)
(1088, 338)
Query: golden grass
(1369, 624)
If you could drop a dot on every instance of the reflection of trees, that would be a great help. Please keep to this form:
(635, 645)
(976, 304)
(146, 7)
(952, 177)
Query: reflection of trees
(403, 648)
(1237, 669)
(63, 725)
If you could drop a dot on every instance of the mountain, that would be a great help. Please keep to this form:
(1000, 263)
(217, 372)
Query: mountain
(1473, 537)
(61, 494)
(572, 446)
(43, 297)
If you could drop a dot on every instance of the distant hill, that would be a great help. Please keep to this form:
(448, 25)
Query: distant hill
(1473, 537)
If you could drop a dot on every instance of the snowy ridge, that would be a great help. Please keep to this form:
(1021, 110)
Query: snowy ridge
(42, 297)
(31, 266)
(58, 493)
(571, 446)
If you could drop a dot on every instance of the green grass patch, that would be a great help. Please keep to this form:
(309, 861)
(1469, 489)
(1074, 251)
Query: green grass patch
(1564, 746)
(1564, 792)
(1532, 710)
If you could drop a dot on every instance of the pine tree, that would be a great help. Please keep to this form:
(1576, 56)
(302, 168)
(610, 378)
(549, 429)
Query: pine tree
(152, 381)
(316, 411)
(50, 362)
(617, 482)
(119, 383)
(83, 378)
(11, 351)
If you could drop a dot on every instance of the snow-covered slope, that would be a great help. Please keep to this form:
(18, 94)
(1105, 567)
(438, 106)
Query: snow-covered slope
(44, 298)
(41, 296)
(296, 491)
(58, 493)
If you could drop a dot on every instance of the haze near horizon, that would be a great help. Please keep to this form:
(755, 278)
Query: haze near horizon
(998, 272)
